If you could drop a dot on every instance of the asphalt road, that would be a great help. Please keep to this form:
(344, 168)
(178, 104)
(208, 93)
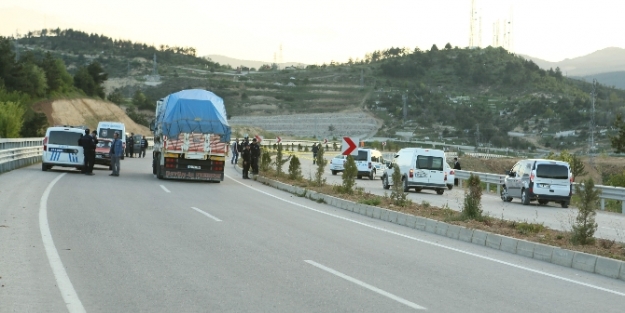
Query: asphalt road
(138, 244)
(611, 225)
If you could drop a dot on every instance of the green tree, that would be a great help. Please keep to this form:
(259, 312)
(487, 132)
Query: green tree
(84, 81)
(138, 99)
(321, 166)
(57, 77)
(349, 175)
(398, 195)
(472, 208)
(11, 119)
(584, 226)
(265, 160)
(295, 168)
(279, 161)
(116, 97)
(618, 141)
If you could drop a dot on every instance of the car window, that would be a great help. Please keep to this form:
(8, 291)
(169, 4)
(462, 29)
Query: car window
(109, 132)
(63, 138)
(375, 159)
(104, 144)
(340, 156)
(362, 156)
(554, 171)
(429, 163)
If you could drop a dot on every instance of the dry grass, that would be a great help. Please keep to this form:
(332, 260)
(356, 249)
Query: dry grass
(522, 230)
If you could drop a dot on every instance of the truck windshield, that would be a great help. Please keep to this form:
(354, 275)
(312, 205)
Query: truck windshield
(109, 132)
(552, 171)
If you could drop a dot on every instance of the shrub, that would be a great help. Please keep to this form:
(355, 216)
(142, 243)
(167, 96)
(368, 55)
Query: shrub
(584, 226)
(295, 169)
(265, 160)
(398, 195)
(349, 175)
(321, 166)
(472, 208)
(373, 201)
(280, 160)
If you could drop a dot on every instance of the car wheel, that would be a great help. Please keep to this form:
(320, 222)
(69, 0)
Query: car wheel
(333, 172)
(440, 191)
(564, 204)
(504, 195)
(418, 189)
(385, 184)
(44, 167)
(406, 188)
(525, 199)
(359, 176)
(372, 175)
(542, 202)
(450, 186)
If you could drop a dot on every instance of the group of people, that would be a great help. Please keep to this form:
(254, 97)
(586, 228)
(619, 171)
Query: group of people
(130, 146)
(250, 153)
(88, 142)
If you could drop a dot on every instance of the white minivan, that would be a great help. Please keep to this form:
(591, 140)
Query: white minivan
(420, 169)
(539, 180)
(108, 129)
(60, 147)
(369, 163)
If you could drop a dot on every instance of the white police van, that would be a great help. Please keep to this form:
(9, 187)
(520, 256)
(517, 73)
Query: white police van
(420, 169)
(108, 130)
(60, 147)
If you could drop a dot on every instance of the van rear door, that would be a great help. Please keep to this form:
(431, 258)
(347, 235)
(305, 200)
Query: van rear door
(552, 179)
(62, 148)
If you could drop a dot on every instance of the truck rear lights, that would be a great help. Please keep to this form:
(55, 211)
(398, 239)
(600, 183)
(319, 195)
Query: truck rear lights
(369, 165)
(45, 144)
(411, 173)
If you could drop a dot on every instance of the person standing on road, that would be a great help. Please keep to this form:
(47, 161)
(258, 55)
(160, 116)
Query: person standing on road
(456, 167)
(315, 149)
(130, 145)
(144, 146)
(88, 149)
(255, 150)
(235, 152)
(116, 152)
(246, 155)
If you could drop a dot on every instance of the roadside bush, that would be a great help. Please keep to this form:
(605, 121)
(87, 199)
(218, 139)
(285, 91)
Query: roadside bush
(349, 175)
(295, 169)
(584, 226)
(265, 160)
(321, 166)
(398, 195)
(472, 208)
(280, 160)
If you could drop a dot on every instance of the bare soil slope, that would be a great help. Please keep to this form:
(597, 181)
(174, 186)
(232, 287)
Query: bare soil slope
(88, 112)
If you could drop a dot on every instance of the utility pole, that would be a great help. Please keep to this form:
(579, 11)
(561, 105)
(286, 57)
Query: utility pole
(477, 138)
(404, 97)
(593, 95)
(362, 79)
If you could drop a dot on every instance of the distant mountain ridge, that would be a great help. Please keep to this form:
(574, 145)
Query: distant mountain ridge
(610, 59)
(222, 59)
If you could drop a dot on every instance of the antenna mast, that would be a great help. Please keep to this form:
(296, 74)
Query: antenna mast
(593, 95)
(473, 26)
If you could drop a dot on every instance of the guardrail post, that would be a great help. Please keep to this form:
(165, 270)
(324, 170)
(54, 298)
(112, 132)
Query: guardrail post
(487, 187)
(622, 207)
(460, 183)
(498, 189)
(602, 204)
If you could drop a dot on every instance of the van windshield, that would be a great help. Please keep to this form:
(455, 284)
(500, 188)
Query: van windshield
(109, 132)
(553, 171)
(425, 162)
(362, 156)
(64, 138)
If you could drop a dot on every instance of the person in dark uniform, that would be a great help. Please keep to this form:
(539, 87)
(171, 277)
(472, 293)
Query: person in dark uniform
(456, 167)
(315, 150)
(255, 150)
(144, 146)
(130, 145)
(246, 155)
(88, 147)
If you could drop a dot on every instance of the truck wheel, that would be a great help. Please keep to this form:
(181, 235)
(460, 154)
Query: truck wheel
(44, 167)
(159, 173)
(440, 191)
(564, 204)
(333, 172)
(359, 176)
(406, 188)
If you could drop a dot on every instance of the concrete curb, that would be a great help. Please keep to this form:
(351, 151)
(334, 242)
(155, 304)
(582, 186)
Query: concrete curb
(578, 260)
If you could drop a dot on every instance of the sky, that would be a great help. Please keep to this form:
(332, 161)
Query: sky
(321, 31)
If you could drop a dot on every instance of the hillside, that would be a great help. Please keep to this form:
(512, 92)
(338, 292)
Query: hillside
(602, 61)
(87, 112)
(234, 63)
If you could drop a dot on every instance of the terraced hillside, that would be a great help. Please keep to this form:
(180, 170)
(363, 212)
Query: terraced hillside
(319, 125)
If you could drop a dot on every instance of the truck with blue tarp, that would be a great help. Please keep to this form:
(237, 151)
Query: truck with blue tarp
(191, 136)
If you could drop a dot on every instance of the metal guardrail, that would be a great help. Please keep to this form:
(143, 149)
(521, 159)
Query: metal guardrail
(607, 192)
(19, 152)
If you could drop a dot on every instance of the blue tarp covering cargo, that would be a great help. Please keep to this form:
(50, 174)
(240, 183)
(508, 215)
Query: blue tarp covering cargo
(194, 111)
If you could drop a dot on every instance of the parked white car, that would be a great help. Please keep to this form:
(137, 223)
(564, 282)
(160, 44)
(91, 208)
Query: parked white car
(337, 164)
(420, 169)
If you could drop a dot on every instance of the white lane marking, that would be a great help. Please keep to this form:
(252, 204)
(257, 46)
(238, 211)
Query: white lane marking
(62, 280)
(439, 245)
(166, 190)
(363, 284)
(216, 219)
